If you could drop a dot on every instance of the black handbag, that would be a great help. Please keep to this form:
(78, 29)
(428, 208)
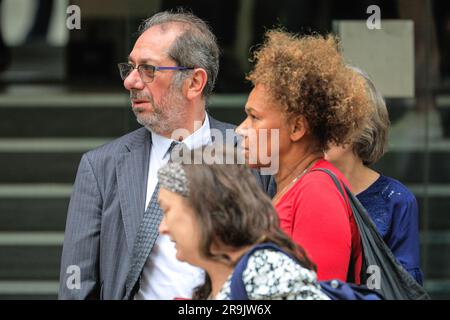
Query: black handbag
(395, 283)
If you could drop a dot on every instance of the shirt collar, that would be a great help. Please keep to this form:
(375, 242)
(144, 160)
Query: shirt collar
(200, 137)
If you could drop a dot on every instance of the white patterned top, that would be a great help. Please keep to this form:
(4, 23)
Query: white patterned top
(271, 275)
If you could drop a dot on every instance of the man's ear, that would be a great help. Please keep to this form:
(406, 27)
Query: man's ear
(196, 83)
(298, 128)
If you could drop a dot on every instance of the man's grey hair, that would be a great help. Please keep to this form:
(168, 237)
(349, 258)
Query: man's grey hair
(195, 47)
(372, 142)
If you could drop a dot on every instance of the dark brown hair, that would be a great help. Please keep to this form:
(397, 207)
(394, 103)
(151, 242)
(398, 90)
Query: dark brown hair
(233, 210)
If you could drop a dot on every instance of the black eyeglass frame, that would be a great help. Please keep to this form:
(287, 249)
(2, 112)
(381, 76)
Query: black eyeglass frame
(126, 68)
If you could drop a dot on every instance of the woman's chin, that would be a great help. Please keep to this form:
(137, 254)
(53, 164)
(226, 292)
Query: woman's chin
(249, 161)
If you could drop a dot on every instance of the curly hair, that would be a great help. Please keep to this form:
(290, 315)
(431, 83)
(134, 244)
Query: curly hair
(307, 76)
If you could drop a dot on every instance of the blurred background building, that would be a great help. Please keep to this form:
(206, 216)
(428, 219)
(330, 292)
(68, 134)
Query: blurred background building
(61, 95)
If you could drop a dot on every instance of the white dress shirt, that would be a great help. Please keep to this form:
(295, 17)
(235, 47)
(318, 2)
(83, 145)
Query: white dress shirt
(163, 276)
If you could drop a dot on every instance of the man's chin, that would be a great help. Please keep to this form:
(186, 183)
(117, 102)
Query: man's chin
(153, 126)
(150, 125)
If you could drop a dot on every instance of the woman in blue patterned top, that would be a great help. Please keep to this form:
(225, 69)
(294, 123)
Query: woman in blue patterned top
(389, 203)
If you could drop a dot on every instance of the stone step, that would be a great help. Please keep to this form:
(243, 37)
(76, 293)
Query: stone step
(438, 216)
(43, 207)
(34, 213)
(56, 161)
(29, 266)
(87, 115)
(411, 166)
(28, 290)
(48, 290)
(43, 122)
(61, 113)
(36, 255)
(30, 262)
(48, 167)
(67, 122)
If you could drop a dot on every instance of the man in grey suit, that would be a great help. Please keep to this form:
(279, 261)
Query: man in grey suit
(170, 73)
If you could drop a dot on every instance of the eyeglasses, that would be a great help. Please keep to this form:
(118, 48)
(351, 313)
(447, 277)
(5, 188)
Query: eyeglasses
(146, 71)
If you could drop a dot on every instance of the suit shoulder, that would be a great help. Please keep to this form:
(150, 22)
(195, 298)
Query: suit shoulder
(118, 145)
(214, 123)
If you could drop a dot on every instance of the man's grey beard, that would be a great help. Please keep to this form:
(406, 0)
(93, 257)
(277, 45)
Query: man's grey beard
(165, 117)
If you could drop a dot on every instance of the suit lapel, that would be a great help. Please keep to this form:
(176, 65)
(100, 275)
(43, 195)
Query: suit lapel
(223, 127)
(132, 171)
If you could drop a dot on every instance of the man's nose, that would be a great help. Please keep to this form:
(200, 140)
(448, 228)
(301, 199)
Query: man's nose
(133, 81)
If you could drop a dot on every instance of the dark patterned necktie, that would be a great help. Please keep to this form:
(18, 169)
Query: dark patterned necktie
(146, 236)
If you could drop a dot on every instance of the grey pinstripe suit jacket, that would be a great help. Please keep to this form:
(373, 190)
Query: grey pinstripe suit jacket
(105, 211)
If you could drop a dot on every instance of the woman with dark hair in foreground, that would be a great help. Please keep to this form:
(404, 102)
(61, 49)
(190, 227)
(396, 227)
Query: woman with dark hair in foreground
(215, 214)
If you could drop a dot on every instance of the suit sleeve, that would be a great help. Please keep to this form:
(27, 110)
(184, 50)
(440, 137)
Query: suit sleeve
(266, 182)
(79, 274)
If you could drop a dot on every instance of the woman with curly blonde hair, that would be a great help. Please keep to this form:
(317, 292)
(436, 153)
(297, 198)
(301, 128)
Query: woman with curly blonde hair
(304, 91)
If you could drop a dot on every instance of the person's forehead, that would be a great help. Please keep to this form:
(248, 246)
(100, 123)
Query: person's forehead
(260, 99)
(153, 45)
(258, 95)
